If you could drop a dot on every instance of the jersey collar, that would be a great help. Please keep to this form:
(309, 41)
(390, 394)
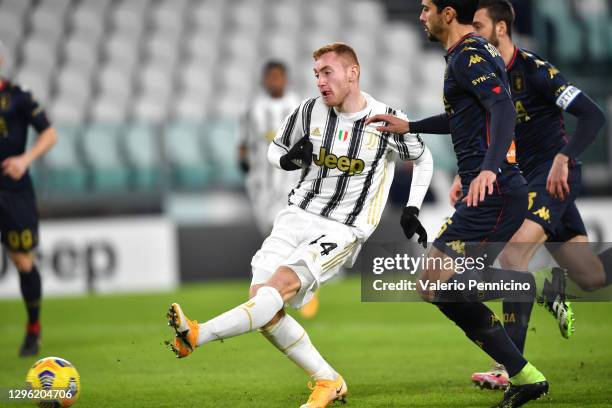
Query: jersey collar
(462, 39)
(513, 60)
(357, 115)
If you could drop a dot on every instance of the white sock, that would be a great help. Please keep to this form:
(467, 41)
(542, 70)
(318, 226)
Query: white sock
(247, 317)
(292, 340)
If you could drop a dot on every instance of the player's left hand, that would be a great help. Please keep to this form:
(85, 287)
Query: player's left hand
(411, 225)
(299, 156)
(392, 124)
(556, 183)
(479, 187)
(15, 167)
(455, 192)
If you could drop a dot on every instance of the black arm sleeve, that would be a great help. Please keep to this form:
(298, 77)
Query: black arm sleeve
(435, 125)
(501, 133)
(590, 121)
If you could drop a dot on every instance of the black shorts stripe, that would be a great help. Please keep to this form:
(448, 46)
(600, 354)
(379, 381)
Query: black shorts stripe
(343, 180)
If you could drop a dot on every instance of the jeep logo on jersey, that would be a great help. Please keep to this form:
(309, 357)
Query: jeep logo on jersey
(343, 163)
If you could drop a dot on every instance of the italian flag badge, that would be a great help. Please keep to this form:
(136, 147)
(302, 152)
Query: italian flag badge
(343, 135)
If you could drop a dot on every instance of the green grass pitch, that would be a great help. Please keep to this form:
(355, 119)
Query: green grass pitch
(391, 355)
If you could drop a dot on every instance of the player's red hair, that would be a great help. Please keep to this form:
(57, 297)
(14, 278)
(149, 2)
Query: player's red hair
(341, 49)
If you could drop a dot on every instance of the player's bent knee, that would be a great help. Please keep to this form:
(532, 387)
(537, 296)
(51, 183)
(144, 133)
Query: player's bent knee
(286, 282)
(590, 279)
(517, 255)
(583, 266)
(23, 261)
(507, 258)
(593, 283)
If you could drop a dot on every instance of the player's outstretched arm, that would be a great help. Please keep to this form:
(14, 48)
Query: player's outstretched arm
(16, 166)
(390, 124)
(435, 125)
(421, 179)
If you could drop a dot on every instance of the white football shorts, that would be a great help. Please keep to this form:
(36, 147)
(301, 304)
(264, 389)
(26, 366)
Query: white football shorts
(314, 247)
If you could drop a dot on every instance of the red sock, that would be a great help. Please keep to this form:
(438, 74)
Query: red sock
(33, 328)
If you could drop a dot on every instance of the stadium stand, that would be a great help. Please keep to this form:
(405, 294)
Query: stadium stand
(138, 86)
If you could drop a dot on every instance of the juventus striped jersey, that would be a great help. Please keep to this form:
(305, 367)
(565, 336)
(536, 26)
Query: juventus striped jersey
(266, 185)
(353, 164)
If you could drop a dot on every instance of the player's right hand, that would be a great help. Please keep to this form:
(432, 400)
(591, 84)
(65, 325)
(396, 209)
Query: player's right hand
(299, 156)
(411, 225)
(556, 182)
(455, 192)
(480, 187)
(15, 167)
(392, 124)
(242, 159)
(244, 166)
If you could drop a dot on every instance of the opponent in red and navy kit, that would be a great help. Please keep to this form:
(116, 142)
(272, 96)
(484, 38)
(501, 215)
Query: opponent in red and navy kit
(480, 117)
(475, 81)
(548, 158)
(478, 105)
(541, 95)
(18, 213)
(18, 110)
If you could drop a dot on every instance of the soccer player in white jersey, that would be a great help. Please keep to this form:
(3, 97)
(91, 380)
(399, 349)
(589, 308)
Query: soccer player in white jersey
(346, 171)
(266, 185)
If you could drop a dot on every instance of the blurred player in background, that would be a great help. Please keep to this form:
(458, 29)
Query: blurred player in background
(346, 171)
(480, 117)
(267, 186)
(18, 212)
(548, 160)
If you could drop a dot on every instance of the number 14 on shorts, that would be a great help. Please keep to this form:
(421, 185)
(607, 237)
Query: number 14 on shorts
(326, 247)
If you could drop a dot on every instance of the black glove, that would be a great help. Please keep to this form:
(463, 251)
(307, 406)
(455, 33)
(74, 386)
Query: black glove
(299, 156)
(244, 166)
(411, 225)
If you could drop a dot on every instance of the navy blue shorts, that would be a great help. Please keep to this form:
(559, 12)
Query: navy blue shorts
(493, 222)
(560, 219)
(18, 220)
